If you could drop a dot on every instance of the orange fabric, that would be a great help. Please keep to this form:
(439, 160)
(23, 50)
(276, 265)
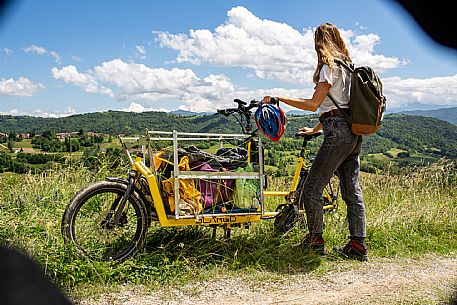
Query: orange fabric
(188, 193)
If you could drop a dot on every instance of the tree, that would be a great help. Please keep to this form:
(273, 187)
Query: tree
(12, 136)
(47, 142)
(10, 144)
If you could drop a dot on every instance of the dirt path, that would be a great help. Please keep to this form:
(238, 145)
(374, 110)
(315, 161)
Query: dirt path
(430, 280)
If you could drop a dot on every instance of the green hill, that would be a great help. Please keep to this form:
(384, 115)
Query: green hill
(414, 134)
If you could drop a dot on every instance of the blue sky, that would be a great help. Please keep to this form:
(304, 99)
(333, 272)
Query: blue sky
(60, 58)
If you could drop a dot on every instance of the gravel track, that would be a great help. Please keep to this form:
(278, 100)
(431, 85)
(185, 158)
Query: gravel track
(429, 280)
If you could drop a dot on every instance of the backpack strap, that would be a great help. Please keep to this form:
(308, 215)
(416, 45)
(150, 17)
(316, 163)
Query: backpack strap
(346, 116)
(350, 68)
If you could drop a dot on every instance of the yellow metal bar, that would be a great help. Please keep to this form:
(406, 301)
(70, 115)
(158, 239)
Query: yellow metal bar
(153, 187)
(297, 174)
(275, 194)
(269, 214)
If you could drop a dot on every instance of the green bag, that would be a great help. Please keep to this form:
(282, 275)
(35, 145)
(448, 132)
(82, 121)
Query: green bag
(367, 104)
(247, 191)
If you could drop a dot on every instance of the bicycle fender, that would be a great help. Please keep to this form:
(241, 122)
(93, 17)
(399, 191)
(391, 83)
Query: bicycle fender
(150, 208)
(117, 179)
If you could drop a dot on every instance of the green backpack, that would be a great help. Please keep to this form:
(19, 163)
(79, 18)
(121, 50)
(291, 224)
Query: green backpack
(367, 104)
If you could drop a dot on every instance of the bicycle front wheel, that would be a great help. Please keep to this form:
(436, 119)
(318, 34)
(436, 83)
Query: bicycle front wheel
(86, 222)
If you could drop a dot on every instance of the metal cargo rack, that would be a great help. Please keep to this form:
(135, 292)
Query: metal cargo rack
(176, 138)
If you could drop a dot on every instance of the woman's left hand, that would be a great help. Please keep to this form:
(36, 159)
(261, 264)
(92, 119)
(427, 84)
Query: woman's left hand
(307, 131)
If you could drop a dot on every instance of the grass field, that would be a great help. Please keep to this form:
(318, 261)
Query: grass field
(26, 143)
(407, 216)
(380, 157)
(395, 151)
(3, 148)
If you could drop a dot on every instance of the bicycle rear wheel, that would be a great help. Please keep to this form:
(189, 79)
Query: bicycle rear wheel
(286, 218)
(85, 222)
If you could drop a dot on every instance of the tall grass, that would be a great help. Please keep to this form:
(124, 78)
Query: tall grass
(407, 215)
(415, 212)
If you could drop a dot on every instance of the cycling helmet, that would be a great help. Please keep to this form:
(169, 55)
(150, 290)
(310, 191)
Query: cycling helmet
(270, 120)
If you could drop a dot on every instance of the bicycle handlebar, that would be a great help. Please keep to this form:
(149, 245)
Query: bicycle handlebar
(308, 137)
(244, 110)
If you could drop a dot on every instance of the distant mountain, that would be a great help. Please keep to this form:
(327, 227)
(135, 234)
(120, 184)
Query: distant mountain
(297, 112)
(445, 114)
(187, 113)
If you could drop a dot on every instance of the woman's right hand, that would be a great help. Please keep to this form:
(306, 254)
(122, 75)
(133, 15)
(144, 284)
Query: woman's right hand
(266, 99)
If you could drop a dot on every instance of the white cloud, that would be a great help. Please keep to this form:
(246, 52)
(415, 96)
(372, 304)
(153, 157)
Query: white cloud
(273, 50)
(19, 88)
(70, 75)
(76, 58)
(142, 86)
(140, 82)
(361, 48)
(135, 79)
(140, 52)
(34, 49)
(40, 113)
(55, 114)
(56, 56)
(135, 107)
(440, 91)
(360, 26)
(7, 51)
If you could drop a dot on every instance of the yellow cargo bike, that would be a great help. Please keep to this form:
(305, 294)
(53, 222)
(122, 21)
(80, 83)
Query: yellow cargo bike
(108, 220)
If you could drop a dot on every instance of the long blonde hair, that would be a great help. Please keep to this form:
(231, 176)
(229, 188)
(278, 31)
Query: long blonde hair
(329, 46)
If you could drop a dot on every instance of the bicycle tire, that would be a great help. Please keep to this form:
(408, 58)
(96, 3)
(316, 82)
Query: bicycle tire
(82, 223)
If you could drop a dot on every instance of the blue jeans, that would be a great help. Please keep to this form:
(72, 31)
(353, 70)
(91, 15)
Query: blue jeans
(339, 153)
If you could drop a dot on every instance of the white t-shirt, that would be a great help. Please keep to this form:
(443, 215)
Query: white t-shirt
(340, 81)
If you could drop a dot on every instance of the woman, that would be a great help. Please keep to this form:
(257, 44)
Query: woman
(340, 149)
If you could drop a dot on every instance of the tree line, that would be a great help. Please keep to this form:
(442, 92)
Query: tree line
(412, 134)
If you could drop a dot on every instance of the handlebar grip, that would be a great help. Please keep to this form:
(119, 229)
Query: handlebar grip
(254, 103)
(239, 102)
